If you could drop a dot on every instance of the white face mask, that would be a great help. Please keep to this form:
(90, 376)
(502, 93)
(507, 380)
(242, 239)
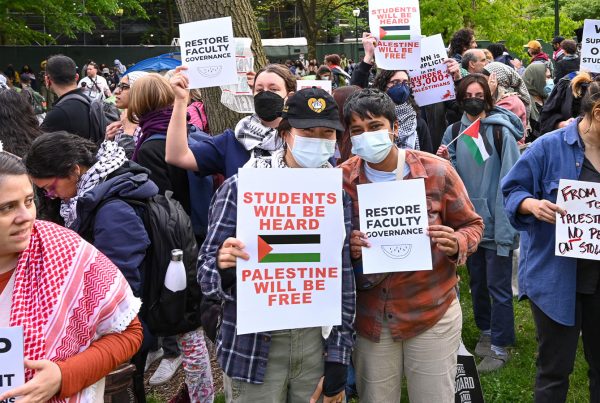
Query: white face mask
(372, 147)
(312, 153)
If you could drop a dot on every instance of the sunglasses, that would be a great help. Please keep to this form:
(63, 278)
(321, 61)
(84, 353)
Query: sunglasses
(50, 191)
(123, 86)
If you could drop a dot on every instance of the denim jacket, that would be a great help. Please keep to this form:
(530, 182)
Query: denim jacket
(549, 281)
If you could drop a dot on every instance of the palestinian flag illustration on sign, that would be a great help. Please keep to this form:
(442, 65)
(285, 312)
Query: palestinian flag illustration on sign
(288, 248)
(394, 32)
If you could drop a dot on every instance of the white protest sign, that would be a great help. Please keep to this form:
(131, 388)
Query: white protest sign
(293, 229)
(238, 97)
(325, 85)
(590, 47)
(393, 215)
(433, 53)
(432, 83)
(208, 50)
(12, 369)
(397, 26)
(578, 231)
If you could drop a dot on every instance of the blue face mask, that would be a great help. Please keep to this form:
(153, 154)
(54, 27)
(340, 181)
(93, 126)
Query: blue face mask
(549, 86)
(372, 147)
(399, 93)
(312, 153)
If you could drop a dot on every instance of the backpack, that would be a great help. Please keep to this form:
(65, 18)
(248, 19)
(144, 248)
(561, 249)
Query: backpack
(36, 100)
(101, 115)
(497, 136)
(167, 313)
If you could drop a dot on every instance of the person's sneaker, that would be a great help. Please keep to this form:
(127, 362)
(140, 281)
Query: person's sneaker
(152, 357)
(492, 362)
(484, 346)
(165, 371)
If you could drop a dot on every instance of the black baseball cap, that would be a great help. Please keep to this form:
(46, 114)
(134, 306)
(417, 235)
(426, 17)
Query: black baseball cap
(312, 107)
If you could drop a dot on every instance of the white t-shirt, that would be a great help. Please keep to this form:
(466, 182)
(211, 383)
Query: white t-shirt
(96, 88)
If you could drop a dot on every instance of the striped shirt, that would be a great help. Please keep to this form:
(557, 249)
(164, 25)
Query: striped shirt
(413, 302)
(245, 357)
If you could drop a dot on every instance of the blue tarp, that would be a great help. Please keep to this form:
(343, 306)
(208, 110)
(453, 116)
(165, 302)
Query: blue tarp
(168, 61)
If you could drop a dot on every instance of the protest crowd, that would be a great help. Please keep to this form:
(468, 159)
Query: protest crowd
(128, 227)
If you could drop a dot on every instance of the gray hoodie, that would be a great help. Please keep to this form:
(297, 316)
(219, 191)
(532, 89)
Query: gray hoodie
(483, 181)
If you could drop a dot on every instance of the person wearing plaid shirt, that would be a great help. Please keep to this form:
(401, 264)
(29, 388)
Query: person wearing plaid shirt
(407, 322)
(296, 364)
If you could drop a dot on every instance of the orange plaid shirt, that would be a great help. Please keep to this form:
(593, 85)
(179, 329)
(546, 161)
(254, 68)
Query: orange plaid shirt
(412, 302)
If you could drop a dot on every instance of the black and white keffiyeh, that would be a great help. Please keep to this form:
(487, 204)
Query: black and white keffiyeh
(110, 158)
(275, 160)
(256, 138)
(407, 127)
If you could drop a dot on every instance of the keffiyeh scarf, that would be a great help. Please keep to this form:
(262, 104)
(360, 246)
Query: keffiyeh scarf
(66, 295)
(407, 127)
(110, 158)
(275, 160)
(258, 139)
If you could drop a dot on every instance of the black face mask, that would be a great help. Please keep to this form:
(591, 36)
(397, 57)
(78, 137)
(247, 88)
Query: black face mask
(268, 105)
(473, 106)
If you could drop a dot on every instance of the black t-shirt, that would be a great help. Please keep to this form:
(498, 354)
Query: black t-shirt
(71, 115)
(588, 271)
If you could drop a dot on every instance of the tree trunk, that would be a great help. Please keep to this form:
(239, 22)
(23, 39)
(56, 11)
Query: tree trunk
(244, 25)
(308, 17)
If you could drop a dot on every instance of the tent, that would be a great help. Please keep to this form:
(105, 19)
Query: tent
(168, 61)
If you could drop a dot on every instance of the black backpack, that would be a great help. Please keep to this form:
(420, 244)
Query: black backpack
(168, 226)
(101, 115)
(497, 136)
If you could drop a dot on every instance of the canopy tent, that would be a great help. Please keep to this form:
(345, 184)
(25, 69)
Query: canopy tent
(168, 61)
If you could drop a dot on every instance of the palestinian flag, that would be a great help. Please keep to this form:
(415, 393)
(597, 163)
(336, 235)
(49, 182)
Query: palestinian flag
(394, 32)
(288, 248)
(475, 143)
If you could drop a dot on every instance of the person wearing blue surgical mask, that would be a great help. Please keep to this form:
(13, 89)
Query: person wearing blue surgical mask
(300, 365)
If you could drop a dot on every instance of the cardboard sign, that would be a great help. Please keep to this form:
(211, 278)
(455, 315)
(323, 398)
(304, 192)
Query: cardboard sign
(238, 97)
(397, 27)
(12, 369)
(578, 231)
(432, 83)
(467, 386)
(293, 229)
(208, 50)
(590, 47)
(325, 85)
(393, 215)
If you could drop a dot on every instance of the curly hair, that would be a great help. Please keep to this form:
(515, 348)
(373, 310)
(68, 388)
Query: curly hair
(461, 41)
(19, 125)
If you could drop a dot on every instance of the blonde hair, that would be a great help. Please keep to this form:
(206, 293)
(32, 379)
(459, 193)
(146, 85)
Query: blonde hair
(488, 55)
(150, 93)
(579, 82)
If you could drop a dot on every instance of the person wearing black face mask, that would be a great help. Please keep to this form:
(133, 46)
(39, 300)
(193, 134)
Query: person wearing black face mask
(482, 159)
(413, 132)
(254, 136)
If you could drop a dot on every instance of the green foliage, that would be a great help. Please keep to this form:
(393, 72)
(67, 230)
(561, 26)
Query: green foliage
(66, 17)
(579, 10)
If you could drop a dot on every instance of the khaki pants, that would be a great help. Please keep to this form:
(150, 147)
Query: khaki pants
(428, 361)
(294, 369)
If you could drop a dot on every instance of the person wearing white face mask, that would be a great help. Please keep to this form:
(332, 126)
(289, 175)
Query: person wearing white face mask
(300, 365)
(409, 322)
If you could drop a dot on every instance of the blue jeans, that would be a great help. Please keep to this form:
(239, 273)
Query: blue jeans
(492, 294)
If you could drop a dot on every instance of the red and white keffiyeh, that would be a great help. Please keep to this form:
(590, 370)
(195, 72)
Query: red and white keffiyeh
(66, 295)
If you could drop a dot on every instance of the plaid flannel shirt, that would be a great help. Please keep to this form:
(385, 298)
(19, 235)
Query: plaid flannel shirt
(244, 357)
(413, 302)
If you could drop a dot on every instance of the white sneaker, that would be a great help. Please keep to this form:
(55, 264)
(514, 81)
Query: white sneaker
(165, 371)
(152, 357)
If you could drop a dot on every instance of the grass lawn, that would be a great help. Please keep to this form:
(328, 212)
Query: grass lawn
(514, 383)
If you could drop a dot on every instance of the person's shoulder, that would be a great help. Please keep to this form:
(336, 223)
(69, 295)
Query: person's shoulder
(54, 235)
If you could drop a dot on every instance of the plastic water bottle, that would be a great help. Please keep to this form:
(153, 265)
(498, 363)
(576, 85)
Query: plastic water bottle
(176, 279)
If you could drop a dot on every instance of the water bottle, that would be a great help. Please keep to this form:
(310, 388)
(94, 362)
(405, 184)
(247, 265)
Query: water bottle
(176, 279)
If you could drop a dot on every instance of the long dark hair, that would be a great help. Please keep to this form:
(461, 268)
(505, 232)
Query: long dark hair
(19, 125)
(56, 154)
(461, 91)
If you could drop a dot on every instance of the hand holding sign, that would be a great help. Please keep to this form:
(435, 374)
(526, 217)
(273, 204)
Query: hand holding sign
(543, 210)
(444, 239)
(358, 240)
(231, 249)
(42, 387)
(180, 83)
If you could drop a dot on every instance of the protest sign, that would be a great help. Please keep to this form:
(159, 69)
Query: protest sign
(293, 229)
(467, 386)
(12, 370)
(238, 97)
(590, 47)
(393, 215)
(325, 85)
(578, 231)
(397, 27)
(208, 50)
(432, 83)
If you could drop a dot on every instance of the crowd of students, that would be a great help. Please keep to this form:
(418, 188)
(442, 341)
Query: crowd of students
(76, 285)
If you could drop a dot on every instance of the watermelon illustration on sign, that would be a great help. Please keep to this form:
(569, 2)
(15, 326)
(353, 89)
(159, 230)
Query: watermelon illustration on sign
(209, 71)
(396, 251)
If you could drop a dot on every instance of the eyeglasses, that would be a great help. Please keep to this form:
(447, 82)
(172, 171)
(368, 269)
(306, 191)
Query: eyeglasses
(50, 191)
(393, 83)
(123, 86)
